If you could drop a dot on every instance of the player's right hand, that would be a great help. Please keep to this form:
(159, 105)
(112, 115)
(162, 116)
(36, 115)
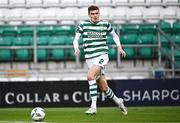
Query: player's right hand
(76, 52)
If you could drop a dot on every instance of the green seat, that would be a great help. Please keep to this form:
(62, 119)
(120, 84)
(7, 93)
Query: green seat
(42, 40)
(110, 40)
(25, 30)
(23, 55)
(44, 30)
(127, 28)
(176, 28)
(42, 54)
(71, 54)
(9, 30)
(146, 39)
(58, 54)
(145, 53)
(57, 40)
(164, 42)
(6, 40)
(129, 39)
(166, 27)
(112, 53)
(69, 40)
(148, 33)
(176, 39)
(23, 41)
(64, 30)
(130, 52)
(5, 55)
(147, 28)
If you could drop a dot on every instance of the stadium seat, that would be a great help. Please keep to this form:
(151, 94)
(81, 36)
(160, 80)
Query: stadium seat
(25, 30)
(42, 40)
(154, 2)
(22, 55)
(17, 3)
(110, 40)
(6, 40)
(130, 28)
(130, 53)
(42, 54)
(176, 39)
(57, 40)
(168, 14)
(5, 55)
(34, 3)
(2, 17)
(9, 31)
(120, 2)
(64, 30)
(69, 40)
(112, 53)
(135, 15)
(67, 15)
(176, 28)
(71, 54)
(119, 15)
(166, 27)
(44, 29)
(66, 3)
(4, 3)
(58, 54)
(170, 2)
(151, 15)
(128, 38)
(148, 33)
(31, 16)
(14, 16)
(49, 16)
(103, 2)
(81, 14)
(51, 3)
(83, 3)
(23, 41)
(104, 11)
(137, 2)
(145, 53)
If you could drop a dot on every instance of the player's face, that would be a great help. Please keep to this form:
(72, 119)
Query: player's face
(94, 16)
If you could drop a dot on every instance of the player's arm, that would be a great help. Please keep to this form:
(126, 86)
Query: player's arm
(117, 41)
(76, 44)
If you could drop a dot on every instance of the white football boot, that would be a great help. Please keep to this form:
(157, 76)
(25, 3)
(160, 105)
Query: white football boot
(91, 111)
(121, 106)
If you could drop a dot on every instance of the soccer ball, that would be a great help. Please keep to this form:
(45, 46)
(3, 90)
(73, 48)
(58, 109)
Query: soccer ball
(38, 114)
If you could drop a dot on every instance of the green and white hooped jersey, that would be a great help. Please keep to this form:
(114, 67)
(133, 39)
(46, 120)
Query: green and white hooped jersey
(94, 37)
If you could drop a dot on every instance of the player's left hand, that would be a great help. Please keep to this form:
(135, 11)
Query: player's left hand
(122, 52)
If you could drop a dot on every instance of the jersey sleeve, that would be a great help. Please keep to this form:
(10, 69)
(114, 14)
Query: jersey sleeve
(79, 29)
(109, 28)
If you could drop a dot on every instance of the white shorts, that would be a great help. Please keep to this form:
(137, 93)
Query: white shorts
(101, 60)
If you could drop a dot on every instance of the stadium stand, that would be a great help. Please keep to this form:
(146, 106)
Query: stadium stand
(38, 34)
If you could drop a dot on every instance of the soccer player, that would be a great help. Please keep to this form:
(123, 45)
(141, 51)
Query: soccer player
(94, 33)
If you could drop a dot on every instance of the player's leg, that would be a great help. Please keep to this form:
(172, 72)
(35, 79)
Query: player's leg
(103, 85)
(91, 76)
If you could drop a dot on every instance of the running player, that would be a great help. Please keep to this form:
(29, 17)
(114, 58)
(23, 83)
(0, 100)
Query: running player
(94, 33)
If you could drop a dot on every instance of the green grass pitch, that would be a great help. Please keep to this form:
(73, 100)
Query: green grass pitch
(104, 115)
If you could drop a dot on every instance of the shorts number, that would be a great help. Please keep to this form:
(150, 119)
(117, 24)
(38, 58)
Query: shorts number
(101, 61)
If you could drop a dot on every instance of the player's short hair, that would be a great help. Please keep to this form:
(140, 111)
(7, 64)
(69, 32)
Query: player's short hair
(91, 8)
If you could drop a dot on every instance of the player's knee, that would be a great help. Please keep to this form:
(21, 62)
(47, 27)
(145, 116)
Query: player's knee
(90, 77)
(103, 88)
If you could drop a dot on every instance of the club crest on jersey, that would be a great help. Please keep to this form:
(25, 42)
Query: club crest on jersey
(103, 28)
